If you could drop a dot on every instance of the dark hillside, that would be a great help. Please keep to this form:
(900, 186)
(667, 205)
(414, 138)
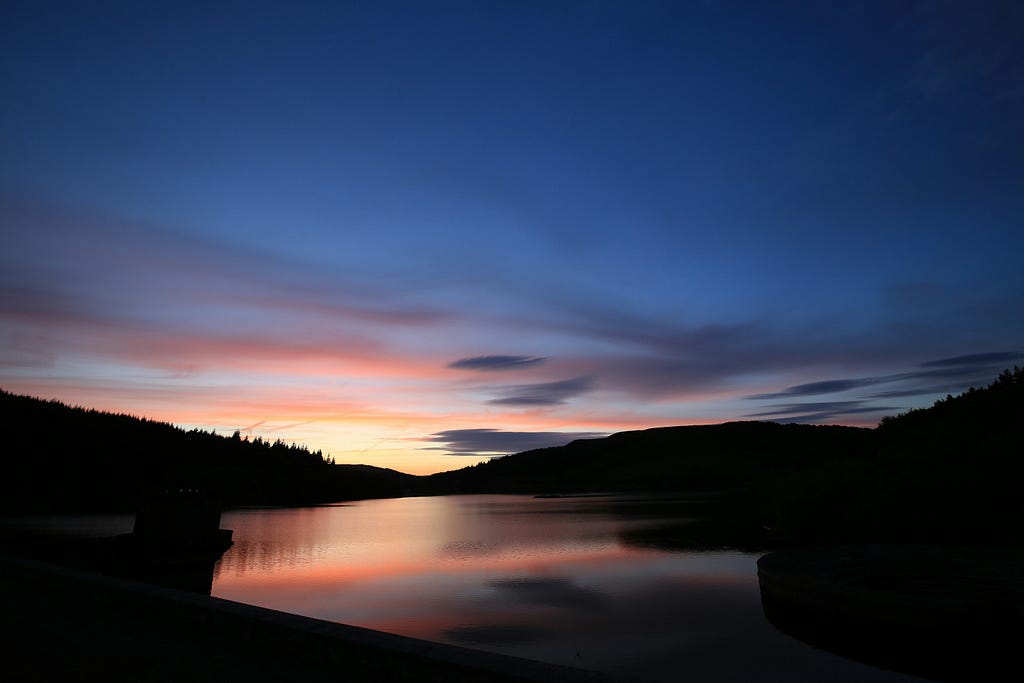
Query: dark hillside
(961, 461)
(705, 457)
(73, 459)
(948, 473)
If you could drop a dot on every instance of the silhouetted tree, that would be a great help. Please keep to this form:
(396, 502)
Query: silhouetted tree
(90, 460)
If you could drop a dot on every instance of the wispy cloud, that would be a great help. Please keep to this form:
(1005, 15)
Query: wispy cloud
(126, 316)
(993, 358)
(134, 269)
(924, 390)
(820, 411)
(78, 284)
(497, 363)
(970, 370)
(830, 386)
(829, 407)
(481, 442)
(981, 365)
(545, 393)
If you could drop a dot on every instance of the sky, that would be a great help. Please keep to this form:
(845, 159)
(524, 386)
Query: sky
(422, 234)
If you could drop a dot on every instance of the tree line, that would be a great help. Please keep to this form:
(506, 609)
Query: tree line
(78, 459)
(947, 473)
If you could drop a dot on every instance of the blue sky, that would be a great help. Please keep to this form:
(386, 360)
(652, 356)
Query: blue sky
(296, 219)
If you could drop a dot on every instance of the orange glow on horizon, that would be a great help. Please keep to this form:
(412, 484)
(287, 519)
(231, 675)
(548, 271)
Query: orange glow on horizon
(388, 432)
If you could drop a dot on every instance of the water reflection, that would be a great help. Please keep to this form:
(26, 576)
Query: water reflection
(547, 579)
(553, 592)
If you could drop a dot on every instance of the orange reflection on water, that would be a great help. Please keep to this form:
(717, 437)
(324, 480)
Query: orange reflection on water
(374, 539)
(376, 562)
(556, 580)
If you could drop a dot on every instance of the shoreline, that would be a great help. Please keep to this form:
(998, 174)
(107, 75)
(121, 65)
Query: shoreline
(66, 623)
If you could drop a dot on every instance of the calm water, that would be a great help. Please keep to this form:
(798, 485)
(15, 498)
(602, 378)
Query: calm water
(557, 580)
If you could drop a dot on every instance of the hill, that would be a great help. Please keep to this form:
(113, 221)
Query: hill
(948, 473)
(695, 458)
(74, 459)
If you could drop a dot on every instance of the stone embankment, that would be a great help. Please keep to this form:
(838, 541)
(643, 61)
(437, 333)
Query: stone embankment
(948, 613)
(64, 624)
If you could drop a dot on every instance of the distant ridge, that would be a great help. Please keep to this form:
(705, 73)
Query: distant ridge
(948, 473)
(700, 457)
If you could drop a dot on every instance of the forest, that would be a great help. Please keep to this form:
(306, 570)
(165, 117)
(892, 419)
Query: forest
(76, 460)
(947, 473)
(950, 473)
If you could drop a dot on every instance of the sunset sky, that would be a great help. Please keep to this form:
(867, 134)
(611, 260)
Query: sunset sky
(419, 234)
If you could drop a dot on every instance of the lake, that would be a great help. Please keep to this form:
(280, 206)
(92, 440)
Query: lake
(562, 580)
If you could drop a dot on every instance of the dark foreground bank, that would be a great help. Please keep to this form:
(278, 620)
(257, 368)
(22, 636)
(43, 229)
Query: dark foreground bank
(947, 613)
(65, 624)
